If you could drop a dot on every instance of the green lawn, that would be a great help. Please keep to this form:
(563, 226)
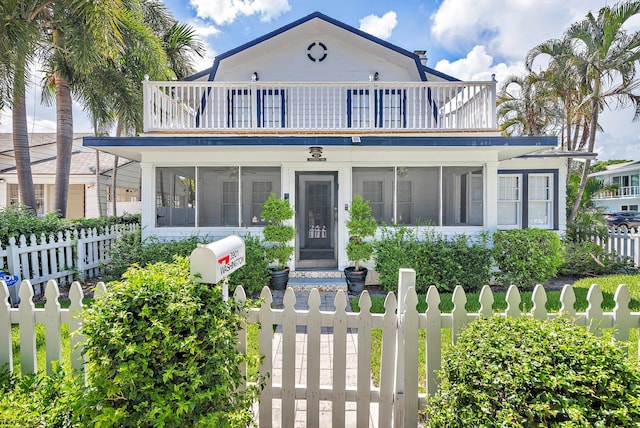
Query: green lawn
(608, 285)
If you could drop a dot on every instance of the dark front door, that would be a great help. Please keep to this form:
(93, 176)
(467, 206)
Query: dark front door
(316, 213)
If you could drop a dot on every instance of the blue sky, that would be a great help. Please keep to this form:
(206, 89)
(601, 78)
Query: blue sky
(469, 39)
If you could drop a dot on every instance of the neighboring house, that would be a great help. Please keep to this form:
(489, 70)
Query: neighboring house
(318, 111)
(85, 198)
(627, 195)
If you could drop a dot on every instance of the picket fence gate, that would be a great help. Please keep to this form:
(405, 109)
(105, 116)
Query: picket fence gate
(61, 256)
(397, 397)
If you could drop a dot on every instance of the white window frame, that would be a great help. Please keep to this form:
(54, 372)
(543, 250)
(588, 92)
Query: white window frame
(502, 201)
(548, 200)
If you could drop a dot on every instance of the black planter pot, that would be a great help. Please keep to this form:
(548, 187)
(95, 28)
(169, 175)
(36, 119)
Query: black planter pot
(355, 279)
(279, 279)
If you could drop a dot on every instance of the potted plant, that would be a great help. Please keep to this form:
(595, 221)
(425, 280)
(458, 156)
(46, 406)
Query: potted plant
(277, 233)
(361, 225)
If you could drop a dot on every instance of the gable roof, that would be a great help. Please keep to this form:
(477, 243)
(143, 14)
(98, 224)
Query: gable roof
(423, 69)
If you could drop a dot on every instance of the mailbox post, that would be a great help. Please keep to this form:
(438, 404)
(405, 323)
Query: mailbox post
(217, 260)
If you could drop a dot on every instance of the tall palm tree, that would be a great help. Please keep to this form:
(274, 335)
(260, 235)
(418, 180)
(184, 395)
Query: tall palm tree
(155, 45)
(79, 33)
(605, 57)
(18, 38)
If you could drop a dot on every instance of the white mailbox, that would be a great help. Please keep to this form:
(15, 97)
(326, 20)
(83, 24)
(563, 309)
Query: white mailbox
(217, 260)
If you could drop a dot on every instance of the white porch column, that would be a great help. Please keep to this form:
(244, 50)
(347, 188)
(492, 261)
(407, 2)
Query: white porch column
(148, 203)
(491, 196)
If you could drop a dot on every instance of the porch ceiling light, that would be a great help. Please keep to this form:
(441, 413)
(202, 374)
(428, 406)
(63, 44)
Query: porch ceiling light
(374, 76)
(254, 76)
(316, 154)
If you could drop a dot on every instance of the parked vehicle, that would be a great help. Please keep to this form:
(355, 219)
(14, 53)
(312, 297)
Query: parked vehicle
(628, 219)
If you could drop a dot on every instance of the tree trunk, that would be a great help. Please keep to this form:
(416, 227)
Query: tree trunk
(98, 183)
(21, 138)
(593, 127)
(64, 134)
(114, 173)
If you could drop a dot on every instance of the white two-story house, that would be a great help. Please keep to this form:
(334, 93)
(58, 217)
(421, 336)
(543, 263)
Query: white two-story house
(626, 195)
(318, 111)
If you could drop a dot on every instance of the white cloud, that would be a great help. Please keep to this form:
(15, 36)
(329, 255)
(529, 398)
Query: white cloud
(478, 65)
(379, 26)
(42, 125)
(226, 11)
(508, 29)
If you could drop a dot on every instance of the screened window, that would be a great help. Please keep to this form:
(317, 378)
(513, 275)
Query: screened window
(229, 203)
(372, 191)
(257, 184)
(218, 196)
(462, 196)
(226, 196)
(376, 186)
(449, 196)
(405, 202)
(418, 195)
(175, 196)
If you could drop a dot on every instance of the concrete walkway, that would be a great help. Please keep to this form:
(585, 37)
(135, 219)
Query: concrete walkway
(326, 363)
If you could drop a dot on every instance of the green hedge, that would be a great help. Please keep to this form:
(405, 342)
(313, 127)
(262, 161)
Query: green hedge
(529, 373)
(443, 262)
(130, 249)
(16, 220)
(526, 256)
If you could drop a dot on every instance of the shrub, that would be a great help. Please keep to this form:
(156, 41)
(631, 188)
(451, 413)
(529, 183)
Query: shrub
(443, 262)
(131, 249)
(161, 352)
(254, 275)
(526, 256)
(37, 400)
(589, 259)
(361, 225)
(525, 372)
(16, 220)
(278, 232)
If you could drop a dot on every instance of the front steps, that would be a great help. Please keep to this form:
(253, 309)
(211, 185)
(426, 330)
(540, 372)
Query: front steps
(323, 280)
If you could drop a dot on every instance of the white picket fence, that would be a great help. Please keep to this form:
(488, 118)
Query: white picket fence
(624, 242)
(397, 396)
(60, 257)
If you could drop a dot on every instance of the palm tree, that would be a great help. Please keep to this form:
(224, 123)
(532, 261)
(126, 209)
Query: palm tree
(525, 106)
(155, 45)
(604, 57)
(78, 34)
(18, 37)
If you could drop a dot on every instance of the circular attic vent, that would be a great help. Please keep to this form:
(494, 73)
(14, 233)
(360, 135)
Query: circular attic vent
(317, 51)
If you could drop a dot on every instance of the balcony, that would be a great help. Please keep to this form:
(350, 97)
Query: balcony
(275, 107)
(620, 193)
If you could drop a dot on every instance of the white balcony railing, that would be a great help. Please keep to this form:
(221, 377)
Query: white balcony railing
(275, 106)
(619, 193)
